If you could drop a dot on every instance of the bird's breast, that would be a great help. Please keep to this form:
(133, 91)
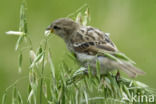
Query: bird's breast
(82, 57)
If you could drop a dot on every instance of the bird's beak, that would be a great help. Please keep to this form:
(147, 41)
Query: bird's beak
(50, 29)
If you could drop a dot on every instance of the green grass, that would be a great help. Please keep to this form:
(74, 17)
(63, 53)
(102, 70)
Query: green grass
(69, 86)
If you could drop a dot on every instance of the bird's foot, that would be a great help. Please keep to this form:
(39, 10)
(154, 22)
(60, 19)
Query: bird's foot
(117, 76)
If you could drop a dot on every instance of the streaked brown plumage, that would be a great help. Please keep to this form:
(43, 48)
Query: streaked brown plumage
(89, 40)
(90, 44)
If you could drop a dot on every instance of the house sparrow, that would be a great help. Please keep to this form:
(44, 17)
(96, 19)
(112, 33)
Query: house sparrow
(90, 45)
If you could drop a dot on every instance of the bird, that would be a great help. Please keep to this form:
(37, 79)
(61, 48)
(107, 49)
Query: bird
(91, 45)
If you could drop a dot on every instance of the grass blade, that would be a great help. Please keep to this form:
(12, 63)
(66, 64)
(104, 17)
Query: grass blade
(36, 59)
(20, 101)
(86, 96)
(51, 64)
(19, 41)
(20, 62)
(4, 98)
(124, 57)
(45, 89)
(23, 22)
(14, 95)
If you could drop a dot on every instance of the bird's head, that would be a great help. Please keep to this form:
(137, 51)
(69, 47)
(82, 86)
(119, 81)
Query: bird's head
(63, 27)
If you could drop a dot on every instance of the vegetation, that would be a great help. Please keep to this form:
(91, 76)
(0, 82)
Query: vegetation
(69, 86)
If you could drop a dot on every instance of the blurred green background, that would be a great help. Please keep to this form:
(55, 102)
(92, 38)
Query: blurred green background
(132, 24)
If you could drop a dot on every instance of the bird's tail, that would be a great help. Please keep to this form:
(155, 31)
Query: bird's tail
(130, 69)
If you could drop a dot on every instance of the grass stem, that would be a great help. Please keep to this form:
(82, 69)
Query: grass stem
(42, 71)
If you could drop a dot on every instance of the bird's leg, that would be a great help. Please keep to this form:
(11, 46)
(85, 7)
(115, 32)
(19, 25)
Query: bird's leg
(117, 76)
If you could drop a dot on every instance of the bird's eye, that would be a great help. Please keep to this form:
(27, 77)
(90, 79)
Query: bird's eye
(56, 27)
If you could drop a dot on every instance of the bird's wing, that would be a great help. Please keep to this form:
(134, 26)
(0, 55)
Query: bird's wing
(88, 38)
(92, 41)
